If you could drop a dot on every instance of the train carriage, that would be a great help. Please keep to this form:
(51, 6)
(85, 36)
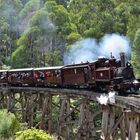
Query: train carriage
(75, 74)
(21, 76)
(103, 74)
(48, 76)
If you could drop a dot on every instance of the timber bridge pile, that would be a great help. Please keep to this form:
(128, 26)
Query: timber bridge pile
(120, 119)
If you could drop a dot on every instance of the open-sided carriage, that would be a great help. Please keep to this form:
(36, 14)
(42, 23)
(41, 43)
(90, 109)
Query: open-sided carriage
(48, 76)
(20, 77)
(3, 77)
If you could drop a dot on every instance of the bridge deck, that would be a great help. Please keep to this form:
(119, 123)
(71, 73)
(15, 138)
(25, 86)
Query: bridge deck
(128, 102)
(39, 100)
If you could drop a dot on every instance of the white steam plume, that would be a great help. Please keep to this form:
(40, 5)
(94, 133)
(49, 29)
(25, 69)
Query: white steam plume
(114, 43)
(104, 99)
(89, 49)
(82, 51)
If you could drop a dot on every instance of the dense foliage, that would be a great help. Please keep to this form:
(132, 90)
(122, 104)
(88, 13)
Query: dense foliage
(33, 134)
(136, 54)
(8, 124)
(36, 33)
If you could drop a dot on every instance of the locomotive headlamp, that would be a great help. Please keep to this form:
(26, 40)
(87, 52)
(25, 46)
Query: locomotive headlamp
(136, 85)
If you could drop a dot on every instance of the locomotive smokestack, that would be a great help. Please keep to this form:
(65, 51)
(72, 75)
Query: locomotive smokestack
(111, 55)
(122, 57)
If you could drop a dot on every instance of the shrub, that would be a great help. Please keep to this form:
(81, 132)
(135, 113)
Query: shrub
(8, 124)
(33, 134)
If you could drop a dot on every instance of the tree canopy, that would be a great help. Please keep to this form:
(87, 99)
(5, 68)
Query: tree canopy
(136, 54)
(32, 31)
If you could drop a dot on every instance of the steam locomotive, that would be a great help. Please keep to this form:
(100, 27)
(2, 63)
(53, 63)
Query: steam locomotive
(102, 74)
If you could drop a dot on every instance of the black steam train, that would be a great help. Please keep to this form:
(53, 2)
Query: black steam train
(102, 74)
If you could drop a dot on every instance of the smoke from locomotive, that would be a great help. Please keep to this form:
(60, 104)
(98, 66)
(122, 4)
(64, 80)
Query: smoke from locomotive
(89, 50)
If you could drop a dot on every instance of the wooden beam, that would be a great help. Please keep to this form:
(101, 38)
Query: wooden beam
(105, 117)
(46, 113)
(133, 119)
(9, 95)
(63, 129)
(82, 112)
(23, 106)
(111, 118)
(86, 127)
(111, 133)
(29, 109)
(139, 128)
(68, 119)
(123, 127)
(44, 110)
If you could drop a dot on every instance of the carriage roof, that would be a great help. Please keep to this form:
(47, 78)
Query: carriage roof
(22, 70)
(3, 70)
(49, 68)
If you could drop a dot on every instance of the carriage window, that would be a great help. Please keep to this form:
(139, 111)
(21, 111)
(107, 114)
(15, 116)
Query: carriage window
(3, 76)
(75, 71)
(58, 73)
(50, 73)
(27, 74)
(85, 70)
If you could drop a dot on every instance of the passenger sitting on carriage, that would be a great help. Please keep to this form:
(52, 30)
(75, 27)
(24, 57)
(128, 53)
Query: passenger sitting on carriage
(49, 74)
(3, 76)
(42, 76)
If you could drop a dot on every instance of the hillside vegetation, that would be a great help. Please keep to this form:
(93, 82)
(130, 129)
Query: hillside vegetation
(36, 33)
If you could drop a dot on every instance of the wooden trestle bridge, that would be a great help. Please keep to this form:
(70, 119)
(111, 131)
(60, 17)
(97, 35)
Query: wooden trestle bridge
(36, 106)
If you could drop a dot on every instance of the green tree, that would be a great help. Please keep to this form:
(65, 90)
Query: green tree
(53, 58)
(26, 55)
(49, 27)
(96, 18)
(30, 7)
(9, 10)
(136, 54)
(73, 37)
(134, 19)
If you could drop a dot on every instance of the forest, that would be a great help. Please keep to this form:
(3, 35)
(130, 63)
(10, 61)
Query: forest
(37, 33)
